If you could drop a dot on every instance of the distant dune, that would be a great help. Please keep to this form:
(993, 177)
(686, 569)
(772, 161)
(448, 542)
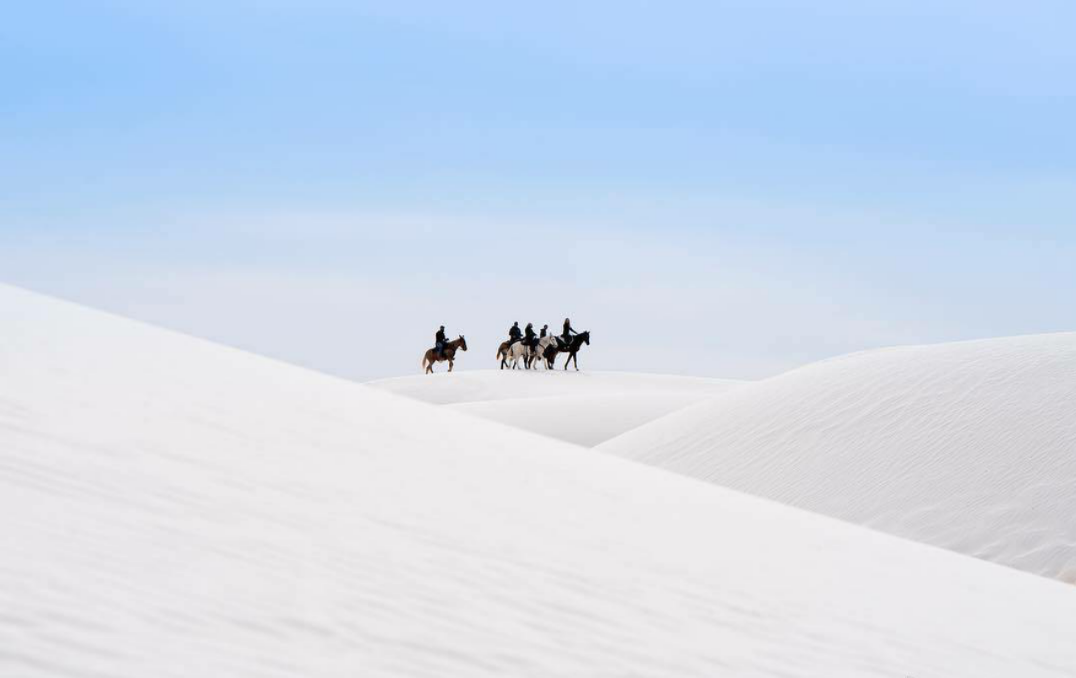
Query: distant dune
(585, 408)
(970, 446)
(172, 508)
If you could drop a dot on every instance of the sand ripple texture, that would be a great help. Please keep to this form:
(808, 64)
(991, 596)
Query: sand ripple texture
(970, 446)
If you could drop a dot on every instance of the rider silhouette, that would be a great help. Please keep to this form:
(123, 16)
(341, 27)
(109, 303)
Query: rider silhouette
(529, 340)
(439, 342)
(514, 334)
(545, 331)
(568, 332)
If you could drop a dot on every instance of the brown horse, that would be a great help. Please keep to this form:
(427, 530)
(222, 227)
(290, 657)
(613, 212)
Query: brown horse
(449, 354)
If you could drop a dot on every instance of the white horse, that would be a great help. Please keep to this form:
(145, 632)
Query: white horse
(513, 354)
(539, 354)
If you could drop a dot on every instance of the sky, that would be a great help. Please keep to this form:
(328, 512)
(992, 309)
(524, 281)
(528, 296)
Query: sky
(728, 189)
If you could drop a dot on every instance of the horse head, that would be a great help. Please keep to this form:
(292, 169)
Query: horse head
(463, 343)
(586, 337)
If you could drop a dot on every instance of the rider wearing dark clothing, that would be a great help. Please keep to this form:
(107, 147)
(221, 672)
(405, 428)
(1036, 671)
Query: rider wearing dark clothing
(514, 333)
(439, 341)
(545, 331)
(568, 331)
(529, 336)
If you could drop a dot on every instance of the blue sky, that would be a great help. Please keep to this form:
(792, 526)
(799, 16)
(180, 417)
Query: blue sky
(721, 188)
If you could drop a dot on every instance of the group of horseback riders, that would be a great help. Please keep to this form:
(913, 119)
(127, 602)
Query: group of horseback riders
(528, 336)
(530, 339)
(533, 346)
(540, 348)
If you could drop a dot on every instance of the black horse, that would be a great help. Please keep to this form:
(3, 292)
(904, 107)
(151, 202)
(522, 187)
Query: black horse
(573, 347)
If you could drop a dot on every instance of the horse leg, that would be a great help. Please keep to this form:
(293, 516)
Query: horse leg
(575, 359)
(451, 363)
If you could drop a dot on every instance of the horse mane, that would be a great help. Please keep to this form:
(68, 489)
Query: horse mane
(578, 340)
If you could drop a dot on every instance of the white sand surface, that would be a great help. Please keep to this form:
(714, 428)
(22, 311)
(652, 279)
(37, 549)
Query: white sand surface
(585, 408)
(172, 508)
(970, 446)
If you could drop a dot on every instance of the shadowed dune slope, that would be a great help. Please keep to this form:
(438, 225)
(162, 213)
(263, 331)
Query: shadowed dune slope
(585, 408)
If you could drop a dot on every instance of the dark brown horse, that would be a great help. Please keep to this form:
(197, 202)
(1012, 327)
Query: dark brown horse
(449, 354)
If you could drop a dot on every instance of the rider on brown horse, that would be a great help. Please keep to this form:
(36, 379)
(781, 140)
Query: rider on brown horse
(448, 352)
(439, 341)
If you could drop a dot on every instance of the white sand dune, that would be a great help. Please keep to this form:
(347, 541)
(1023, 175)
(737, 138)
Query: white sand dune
(174, 508)
(970, 446)
(584, 420)
(585, 408)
